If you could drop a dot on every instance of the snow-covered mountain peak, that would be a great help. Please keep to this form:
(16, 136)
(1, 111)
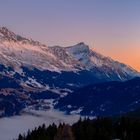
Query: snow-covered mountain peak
(95, 61)
(7, 35)
(78, 48)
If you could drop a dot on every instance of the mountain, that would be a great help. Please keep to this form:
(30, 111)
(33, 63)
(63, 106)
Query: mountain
(17, 51)
(30, 71)
(105, 99)
(104, 66)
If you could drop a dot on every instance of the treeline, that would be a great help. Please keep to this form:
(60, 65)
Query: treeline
(97, 129)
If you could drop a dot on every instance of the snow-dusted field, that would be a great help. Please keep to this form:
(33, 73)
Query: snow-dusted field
(11, 127)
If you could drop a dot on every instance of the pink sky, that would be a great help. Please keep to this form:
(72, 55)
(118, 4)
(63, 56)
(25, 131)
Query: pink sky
(112, 27)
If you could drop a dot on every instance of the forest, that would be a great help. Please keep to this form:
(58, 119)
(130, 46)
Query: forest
(122, 128)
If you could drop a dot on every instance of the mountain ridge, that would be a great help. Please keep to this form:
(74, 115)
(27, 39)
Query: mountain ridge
(103, 99)
(77, 57)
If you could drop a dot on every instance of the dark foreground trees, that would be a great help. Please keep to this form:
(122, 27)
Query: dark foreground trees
(97, 129)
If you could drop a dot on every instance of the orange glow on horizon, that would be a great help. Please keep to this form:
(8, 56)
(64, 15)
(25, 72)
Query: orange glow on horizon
(128, 55)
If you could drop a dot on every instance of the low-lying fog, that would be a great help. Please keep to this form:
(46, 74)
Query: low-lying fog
(11, 127)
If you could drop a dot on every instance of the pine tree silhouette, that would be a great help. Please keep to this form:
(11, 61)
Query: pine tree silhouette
(64, 133)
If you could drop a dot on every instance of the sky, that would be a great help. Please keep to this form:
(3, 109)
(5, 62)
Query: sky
(111, 27)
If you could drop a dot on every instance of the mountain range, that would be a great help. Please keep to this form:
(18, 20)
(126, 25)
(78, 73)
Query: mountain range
(30, 70)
